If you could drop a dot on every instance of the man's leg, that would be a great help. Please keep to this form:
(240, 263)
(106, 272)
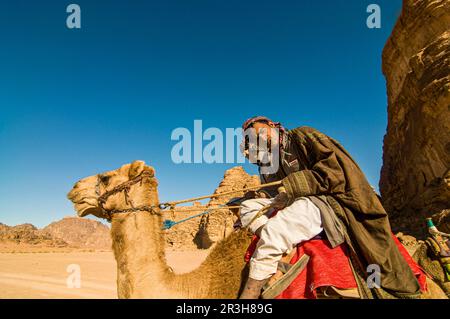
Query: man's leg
(292, 225)
(248, 211)
(250, 208)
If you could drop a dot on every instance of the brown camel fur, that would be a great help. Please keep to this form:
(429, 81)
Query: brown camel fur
(138, 242)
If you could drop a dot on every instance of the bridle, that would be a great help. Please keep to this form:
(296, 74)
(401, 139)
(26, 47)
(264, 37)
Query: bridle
(125, 188)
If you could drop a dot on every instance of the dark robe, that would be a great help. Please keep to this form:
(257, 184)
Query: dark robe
(315, 164)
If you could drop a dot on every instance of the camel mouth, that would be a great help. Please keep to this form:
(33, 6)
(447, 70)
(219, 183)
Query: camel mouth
(84, 200)
(88, 211)
(85, 208)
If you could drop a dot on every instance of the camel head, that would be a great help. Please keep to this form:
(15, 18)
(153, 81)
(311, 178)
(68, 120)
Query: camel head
(122, 190)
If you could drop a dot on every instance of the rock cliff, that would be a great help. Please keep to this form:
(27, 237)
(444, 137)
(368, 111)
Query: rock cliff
(217, 225)
(183, 236)
(415, 177)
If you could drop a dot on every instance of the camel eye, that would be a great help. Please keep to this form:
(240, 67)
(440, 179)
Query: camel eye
(104, 179)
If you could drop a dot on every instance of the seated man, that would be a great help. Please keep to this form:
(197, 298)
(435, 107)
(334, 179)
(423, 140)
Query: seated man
(311, 165)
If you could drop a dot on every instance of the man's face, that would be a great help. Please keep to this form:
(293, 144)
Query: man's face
(261, 146)
(264, 129)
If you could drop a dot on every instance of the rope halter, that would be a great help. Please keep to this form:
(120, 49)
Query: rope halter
(125, 188)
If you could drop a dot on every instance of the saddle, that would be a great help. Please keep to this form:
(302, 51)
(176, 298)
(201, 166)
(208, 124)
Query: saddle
(315, 270)
(291, 277)
(287, 277)
(311, 270)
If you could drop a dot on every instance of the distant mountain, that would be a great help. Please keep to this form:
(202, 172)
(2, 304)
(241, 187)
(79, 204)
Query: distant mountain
(28, 235)
(69, 232)
(81, 233)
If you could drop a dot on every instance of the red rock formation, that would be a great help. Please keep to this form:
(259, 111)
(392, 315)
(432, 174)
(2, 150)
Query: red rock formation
(416, 62)
(219, 224)
(182, 236)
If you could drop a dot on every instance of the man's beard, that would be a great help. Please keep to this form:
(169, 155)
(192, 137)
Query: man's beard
(266, 156)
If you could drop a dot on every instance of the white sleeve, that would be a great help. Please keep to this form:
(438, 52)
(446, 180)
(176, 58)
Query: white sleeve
(294, 224)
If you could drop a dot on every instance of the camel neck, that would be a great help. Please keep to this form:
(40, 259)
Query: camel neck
(139, 251)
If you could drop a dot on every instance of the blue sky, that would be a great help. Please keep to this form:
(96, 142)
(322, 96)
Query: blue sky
(77, 102)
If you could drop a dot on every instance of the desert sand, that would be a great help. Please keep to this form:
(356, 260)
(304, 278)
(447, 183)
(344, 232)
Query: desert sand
(44, 275)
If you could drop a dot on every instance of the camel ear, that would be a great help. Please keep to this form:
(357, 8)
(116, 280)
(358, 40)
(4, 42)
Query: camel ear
(136, 168)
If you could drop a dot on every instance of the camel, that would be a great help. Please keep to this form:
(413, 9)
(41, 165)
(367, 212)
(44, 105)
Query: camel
(128, 198)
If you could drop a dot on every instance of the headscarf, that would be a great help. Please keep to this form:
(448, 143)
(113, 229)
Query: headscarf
(255, 119)
(247, 124)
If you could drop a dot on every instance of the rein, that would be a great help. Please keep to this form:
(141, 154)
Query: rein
(125, 188)
(156, 209)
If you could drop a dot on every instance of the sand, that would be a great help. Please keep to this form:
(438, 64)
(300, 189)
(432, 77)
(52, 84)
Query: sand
(45, 275)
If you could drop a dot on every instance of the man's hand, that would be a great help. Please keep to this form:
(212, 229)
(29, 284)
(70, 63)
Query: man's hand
(280, 201)
(252, 289)
(250, 195)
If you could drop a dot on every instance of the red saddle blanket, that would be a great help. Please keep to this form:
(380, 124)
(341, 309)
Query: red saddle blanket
(328, 267)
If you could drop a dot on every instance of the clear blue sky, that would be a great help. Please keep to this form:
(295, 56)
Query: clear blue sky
(77, 102)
